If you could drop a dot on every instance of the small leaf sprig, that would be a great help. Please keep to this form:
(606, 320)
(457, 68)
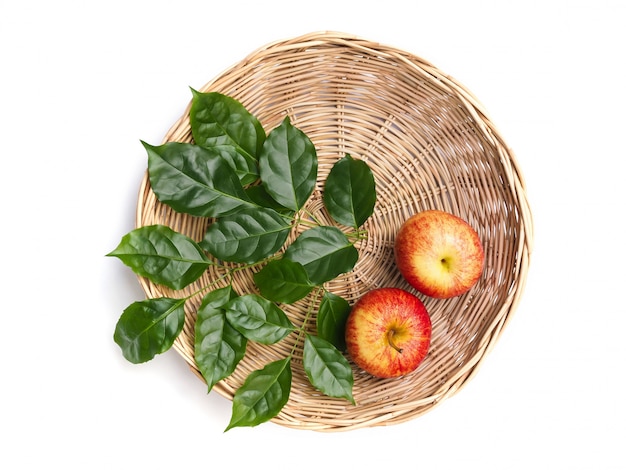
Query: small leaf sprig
(254, 186)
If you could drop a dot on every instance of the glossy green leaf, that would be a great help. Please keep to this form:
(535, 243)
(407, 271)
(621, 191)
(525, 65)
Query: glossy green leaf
(149, 327)
(325, 252)
(258, 319)
(246, 168)
(331, 319)
(327, 369)
(217, 119)
(263, 395)
(247, 236)
(194, 180)
(288, 165)
(259, 195)
(162, 255)
(218, 347)
(350, 192)
(284, 281)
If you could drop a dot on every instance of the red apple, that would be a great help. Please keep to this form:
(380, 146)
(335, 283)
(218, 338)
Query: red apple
(388, 332)
(439, 254)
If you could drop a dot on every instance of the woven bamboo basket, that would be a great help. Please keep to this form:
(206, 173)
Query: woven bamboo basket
(430, 144)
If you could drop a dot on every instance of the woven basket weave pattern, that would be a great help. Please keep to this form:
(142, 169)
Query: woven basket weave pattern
(430, 145)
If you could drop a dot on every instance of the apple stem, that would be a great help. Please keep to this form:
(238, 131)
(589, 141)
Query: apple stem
(390, 335)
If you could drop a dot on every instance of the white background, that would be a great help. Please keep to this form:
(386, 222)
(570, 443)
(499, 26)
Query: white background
(82, 82)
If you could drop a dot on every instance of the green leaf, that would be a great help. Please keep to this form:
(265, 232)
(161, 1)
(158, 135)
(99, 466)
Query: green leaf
(331, 319)
(149, 327)
(325, 252)
(350, 192)
(194, 180)
(246, 168)
(259, 195)
(288, 166)
(162, 255)
(258, 319)
(327, 369)
(217, 119)
(247, 236)
(283, 280)
(263, 394)
(218, 347)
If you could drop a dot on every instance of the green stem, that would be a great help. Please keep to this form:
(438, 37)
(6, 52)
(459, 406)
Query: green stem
(229, 274)
(311, 223)
(359, 234)
(302, 329)
(205, 288)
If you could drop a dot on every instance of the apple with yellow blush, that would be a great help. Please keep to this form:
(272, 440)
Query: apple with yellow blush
(388, 332)
(439, 254)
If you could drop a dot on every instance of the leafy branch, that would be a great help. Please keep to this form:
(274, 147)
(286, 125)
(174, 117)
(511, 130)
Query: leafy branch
(255, 188)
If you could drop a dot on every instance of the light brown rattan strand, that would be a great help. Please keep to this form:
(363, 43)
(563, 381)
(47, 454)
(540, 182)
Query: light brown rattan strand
(430, 144)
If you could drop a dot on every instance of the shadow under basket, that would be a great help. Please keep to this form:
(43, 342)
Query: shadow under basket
(430, 145)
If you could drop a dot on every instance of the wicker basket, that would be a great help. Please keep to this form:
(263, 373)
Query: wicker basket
(430, 144)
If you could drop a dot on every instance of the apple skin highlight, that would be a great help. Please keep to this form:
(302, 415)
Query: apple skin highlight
(439, 254)
(388, 332)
